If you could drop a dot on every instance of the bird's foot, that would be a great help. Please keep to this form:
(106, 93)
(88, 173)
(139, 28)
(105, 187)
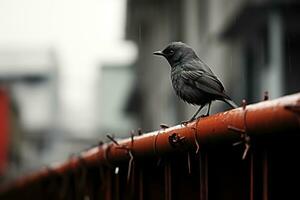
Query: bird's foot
(201, 116)
(184, 123)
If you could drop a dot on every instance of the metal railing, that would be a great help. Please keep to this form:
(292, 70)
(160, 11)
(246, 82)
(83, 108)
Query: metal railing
(246, 153)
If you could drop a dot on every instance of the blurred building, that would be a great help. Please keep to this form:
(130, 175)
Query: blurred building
(251, 45)
(115, 84)
(50, 55)
(28, 75)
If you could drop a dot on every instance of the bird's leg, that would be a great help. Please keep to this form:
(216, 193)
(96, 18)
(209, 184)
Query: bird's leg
(194, 116)
(208, 109)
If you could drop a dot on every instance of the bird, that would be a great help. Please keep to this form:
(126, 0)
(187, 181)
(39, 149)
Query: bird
(192, 79)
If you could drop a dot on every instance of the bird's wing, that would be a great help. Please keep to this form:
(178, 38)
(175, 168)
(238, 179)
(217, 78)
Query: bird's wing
(203, 81)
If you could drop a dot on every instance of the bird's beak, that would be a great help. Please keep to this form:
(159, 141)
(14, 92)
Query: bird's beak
(159, 53)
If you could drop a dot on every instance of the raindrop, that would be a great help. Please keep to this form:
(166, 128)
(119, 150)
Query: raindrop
(289, 55)
(140, 33)
(117, 170)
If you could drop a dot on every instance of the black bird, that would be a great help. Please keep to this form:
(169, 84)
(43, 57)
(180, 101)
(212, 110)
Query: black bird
(192, 79)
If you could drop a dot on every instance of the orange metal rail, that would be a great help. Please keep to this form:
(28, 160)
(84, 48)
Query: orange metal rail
(257, 122)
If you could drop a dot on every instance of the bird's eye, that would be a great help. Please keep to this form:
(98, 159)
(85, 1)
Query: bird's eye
(171, 51)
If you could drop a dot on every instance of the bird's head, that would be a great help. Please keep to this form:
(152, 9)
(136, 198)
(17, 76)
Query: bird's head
(176, 53)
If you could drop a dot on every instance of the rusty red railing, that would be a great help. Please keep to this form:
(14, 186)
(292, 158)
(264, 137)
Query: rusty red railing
(246, 153)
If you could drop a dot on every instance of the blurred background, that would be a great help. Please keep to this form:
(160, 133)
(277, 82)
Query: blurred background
(72, 71)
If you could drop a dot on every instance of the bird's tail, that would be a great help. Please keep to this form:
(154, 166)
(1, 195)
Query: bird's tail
(230, 102)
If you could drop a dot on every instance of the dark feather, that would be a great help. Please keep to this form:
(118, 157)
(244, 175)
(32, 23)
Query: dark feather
(203, 81)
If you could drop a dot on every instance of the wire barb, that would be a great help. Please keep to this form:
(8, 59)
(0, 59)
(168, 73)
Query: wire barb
(196, 140)
(130, 165)
(189, 162)
(140, 131)
(129, 151)
(245, 138)
(112, 139)
(176, 140)
(266, 95)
